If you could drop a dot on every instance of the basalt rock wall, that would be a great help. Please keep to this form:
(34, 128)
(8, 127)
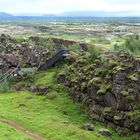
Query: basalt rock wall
(14, 53)
(109, 87)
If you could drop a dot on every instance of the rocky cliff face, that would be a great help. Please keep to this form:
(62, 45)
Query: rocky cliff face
(110, 89)
(13, 53)
(58, 42)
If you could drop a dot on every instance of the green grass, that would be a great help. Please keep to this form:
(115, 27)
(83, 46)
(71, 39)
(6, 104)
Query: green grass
(20, 38)
(9, 133)
(46, 78)
(131, 43)
(4, 87)
(54, 116)
(57, 119)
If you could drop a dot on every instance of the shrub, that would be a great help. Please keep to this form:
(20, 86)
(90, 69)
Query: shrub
(4, 87)
(116, 47)
(133, 44)
(49, 44)
(20, 39)
(75, 47)
(94, 52)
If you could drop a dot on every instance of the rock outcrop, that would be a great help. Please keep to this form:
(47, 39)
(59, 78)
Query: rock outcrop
(13, 53)
(110, 89)
(59, 42)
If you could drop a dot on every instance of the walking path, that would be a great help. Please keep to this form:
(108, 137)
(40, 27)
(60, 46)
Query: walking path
(22, 129)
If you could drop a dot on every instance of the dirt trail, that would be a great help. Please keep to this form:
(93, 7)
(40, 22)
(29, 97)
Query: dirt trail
(22, 129)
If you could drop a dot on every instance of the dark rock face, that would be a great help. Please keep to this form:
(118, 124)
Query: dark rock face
(109, 88)
(59, 42)
(7, 61)
(13, 54)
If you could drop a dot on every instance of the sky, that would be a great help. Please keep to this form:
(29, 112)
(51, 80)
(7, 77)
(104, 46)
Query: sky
(59, 6)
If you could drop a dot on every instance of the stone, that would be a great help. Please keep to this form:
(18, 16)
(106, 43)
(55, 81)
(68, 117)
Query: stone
(88, 127)
(137, 128)
(22, 105)
(29, 97)
(16, 53)
(105, 132)
(111, 125)
(43, 90)
(124, 132)
(61, 78)
(32, 88)
(110, 99)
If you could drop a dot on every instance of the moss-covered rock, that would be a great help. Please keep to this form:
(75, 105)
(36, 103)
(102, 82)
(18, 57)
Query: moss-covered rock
(125, 93)
(134, 77)
(108, 109)
(117, 118)
(110, 88)
(103, 89)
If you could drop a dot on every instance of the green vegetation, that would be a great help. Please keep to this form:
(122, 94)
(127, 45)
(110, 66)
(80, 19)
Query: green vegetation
(101, 39)
(54, 116)
(49, 45)
(4, 87)
(134, 76)
(55, 119)
(20, 38)
(103, 89)
(9, 133)
(132, 43)
(74, 47)
(94, 52)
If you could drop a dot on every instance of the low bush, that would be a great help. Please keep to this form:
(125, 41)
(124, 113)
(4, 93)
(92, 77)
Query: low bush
(94, 52)
(4, 87)
(132, 44)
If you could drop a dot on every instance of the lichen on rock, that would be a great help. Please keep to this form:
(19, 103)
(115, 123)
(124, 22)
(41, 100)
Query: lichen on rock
(109, 88)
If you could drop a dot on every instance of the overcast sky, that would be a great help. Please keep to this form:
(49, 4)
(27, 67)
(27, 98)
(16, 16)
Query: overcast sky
(58, 6)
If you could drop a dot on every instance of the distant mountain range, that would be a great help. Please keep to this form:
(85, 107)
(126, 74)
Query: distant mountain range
(99, 14)
(5, 15)
(77, 14)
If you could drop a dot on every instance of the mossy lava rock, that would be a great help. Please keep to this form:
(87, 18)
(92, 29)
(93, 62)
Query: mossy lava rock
(109, 87)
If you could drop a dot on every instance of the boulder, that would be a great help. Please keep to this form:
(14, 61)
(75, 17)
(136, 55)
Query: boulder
(105, 132)
(88, 127)
(61, 78)
(42, 90)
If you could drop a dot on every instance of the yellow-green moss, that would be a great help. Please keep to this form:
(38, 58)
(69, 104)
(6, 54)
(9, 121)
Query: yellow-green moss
(124, 93)
(96, 80)
(108, 109)
(117, 69)
(130, 98)
(104, 88)
(117, 118)
(133, 76)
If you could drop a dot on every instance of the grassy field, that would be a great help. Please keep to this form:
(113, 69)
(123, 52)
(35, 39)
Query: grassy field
(9, 133)
(54, 116)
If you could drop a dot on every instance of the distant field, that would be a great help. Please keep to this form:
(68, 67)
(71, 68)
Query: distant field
(69, 20)
(102, 32)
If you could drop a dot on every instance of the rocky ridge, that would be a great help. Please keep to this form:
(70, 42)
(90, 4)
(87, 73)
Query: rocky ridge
(109, 87)
(14, 53)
